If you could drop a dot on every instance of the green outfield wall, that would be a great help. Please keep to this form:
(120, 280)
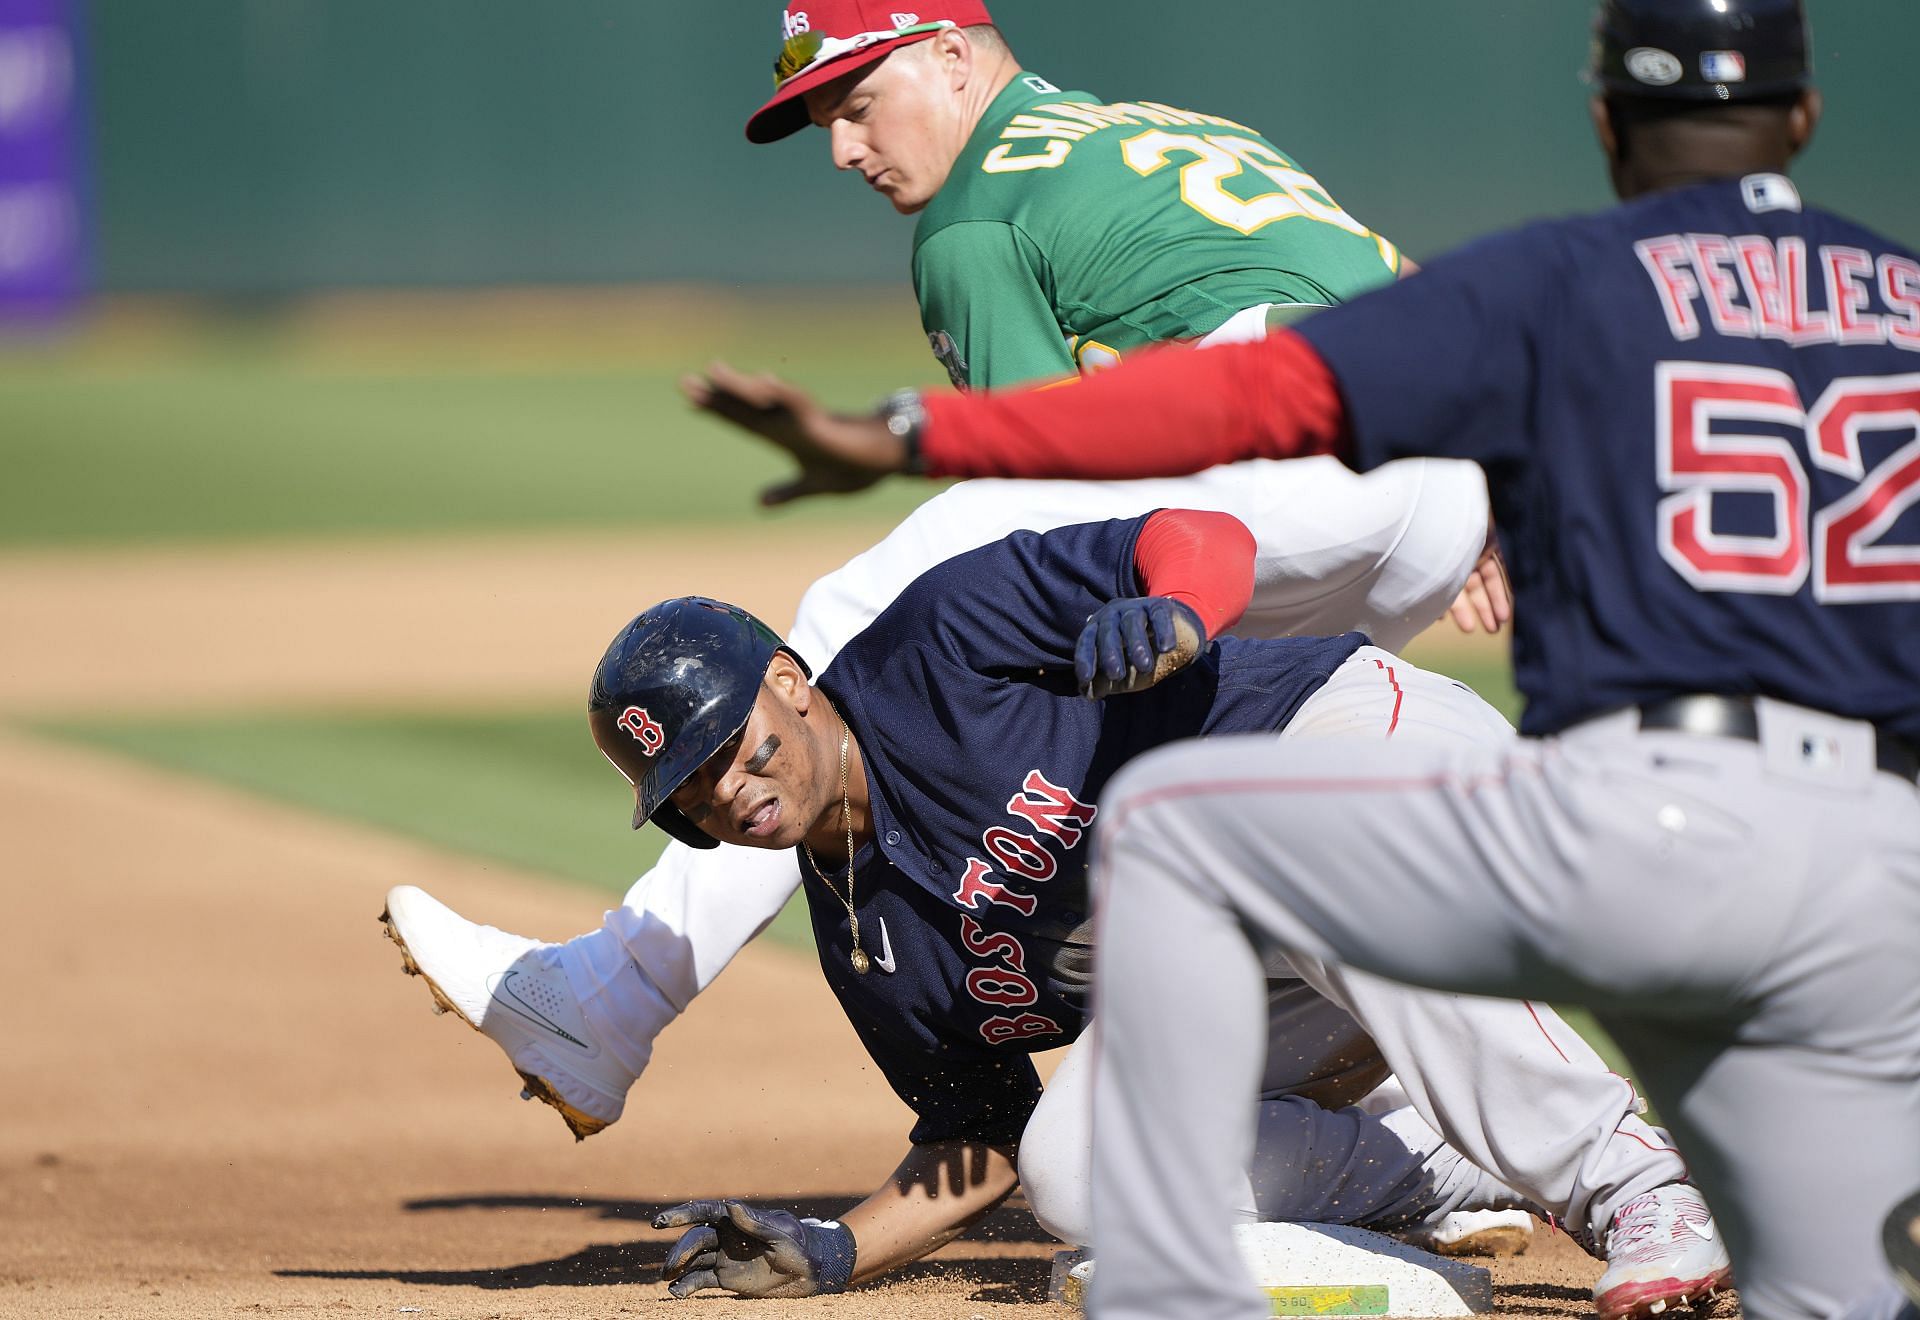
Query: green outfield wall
(263, 147)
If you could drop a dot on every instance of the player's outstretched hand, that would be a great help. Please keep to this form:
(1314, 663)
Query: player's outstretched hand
(1485, 601)
(838, 454)
(1129, 645)
(755, 1253)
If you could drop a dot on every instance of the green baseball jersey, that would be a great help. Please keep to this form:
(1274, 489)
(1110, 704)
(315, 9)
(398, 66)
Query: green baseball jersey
(1072, 232)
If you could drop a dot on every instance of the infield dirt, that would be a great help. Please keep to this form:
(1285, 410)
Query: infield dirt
(225, 1099)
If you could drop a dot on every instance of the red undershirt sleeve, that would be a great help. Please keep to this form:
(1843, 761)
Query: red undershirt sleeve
(1165, 412)
(1204, 559)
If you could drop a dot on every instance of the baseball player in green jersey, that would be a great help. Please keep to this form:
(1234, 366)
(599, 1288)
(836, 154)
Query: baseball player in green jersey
(1044, 252)
(1039, 250)
(1058, 232)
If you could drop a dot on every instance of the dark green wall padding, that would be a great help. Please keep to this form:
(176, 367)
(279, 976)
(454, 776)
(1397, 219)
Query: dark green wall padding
(255, 148)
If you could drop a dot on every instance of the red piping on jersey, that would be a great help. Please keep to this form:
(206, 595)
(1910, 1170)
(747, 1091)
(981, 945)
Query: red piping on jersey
(1167, 411)
(1535, 1015)
(1667, 1150)
(1398, 697)
(1203, 559)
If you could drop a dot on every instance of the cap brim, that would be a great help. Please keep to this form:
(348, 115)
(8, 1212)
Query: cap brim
(785, 115)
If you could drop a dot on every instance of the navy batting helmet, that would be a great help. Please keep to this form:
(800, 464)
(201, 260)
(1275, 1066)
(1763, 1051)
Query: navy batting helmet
(1701, 50)
(674, 688)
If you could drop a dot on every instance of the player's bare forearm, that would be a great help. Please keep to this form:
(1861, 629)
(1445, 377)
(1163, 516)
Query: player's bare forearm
(837, 453)
(935, 1193)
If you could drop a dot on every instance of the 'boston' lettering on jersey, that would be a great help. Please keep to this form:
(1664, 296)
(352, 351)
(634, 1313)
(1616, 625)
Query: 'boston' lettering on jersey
(1050, 809)
(1755, 287)
(1053, 811)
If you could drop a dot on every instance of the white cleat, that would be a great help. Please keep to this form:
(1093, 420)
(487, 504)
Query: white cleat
(513, 991)
(1497, 1233)
(1663, 1250)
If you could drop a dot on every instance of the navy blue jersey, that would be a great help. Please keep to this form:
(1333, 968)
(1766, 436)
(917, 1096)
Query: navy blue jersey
(985, 772)
(1698, 415)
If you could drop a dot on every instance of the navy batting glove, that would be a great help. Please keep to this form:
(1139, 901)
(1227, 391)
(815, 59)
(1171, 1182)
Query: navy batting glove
(1129, 645)
(754, 1253)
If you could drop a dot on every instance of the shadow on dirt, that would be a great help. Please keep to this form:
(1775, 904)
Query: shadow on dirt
(627, 1263)
(591, 1267)
(1546, 1298)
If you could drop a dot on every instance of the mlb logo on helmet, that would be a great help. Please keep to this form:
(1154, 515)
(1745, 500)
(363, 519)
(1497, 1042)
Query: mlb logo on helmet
(1723, 66)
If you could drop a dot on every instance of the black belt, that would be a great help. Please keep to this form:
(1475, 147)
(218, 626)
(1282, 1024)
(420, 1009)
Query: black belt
(1739, 717)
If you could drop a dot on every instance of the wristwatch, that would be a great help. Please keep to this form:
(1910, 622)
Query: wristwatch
(905, 415)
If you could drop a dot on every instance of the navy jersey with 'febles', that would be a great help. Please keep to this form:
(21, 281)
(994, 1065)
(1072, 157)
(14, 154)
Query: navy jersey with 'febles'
(1700, 417)
(985, 773)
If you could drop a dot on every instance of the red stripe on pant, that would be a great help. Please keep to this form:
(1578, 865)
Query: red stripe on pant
(1398, 696)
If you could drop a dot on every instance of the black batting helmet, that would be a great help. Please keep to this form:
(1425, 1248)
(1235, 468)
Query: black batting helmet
(674, 688)
(1701, 50)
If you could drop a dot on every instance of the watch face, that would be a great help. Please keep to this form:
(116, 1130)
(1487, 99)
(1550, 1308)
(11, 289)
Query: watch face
(904, 412)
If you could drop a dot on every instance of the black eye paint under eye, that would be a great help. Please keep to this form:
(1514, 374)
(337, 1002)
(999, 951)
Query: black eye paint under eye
(764, 754)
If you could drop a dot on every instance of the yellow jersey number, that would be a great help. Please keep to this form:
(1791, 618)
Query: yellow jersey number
(1217, 157)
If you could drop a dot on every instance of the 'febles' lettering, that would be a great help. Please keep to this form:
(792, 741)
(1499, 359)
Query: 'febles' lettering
(1752, 287)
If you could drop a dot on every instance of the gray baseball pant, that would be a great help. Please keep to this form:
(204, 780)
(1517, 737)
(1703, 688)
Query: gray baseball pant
(1744, 918)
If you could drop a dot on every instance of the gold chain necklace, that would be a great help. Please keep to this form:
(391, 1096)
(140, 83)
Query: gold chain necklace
(859, 960)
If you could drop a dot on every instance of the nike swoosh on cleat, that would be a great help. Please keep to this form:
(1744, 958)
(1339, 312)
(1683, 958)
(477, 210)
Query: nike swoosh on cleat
(511, 999)
(884, 959)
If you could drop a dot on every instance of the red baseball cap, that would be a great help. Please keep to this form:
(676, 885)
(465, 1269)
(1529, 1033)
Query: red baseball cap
(826, 39)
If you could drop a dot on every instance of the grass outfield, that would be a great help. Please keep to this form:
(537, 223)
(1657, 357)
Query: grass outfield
(480, 416)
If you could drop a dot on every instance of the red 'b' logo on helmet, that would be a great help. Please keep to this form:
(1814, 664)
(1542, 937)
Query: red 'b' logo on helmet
(644, 729)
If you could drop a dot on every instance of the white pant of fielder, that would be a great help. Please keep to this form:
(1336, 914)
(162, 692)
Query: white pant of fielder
(1743, 917)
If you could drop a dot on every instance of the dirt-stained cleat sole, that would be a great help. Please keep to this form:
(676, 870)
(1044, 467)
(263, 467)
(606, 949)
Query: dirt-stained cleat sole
(1660, 1296)
(441, 1004)
(1663, 1251)
(522, 1020)
(1500, 1243)
(1498, 1234)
